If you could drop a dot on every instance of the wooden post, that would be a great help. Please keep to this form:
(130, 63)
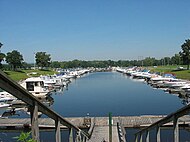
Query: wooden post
(34, 121)
(57, 130)
(158, 134)
(83, 139)
(136, 137)
(147, 136)
(110, 127)
(176, 129)
(70, 135)
(78, 138)
(141, 137)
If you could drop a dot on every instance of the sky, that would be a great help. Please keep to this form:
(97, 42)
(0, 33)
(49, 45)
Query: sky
(94, 29)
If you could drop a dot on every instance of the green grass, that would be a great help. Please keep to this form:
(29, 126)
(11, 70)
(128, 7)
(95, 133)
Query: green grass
(23, 74)
(16, 75)
(185, 74)
(182, 74)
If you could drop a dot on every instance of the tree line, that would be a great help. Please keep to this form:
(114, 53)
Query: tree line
(15, 60)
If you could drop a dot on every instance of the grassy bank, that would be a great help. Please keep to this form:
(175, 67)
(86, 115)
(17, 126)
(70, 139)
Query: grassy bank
(23, 74)
(182, 74)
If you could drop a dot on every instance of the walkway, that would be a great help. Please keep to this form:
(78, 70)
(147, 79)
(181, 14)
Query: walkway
(101, 133)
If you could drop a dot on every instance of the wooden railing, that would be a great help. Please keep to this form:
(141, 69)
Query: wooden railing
(173, 117)
(35, 105)
(121, 131)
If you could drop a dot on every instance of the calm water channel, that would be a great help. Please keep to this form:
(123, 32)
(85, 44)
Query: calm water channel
(104, 92)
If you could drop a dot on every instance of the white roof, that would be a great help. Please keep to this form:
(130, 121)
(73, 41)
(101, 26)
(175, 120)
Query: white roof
(33, 79)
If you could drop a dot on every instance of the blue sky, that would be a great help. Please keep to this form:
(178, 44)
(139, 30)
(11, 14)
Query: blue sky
(94, 29)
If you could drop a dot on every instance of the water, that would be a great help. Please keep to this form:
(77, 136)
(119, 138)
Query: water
(104, 92)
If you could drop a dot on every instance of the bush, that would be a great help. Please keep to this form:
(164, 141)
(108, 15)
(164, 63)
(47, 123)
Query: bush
(25, 137)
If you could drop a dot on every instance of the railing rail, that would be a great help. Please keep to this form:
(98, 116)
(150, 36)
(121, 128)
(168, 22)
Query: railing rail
(121, 131)
(157, 125)
(93, 123)
(35, 105)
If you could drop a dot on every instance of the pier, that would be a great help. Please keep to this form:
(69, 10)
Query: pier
(100, 131)
(127, 121)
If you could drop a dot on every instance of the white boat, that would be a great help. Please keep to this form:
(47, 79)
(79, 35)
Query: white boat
(5, 94)
(5, 102)
(35, 85)
(172, 83)
(159, 80)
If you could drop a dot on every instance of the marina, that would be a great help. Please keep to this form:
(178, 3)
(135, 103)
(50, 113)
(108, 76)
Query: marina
(130, 117)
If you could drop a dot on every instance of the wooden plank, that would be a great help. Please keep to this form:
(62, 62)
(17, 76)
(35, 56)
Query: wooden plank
(101, 133)
(34, 122)
(158, 134)
(57, 131)
(100, 121)
(176, 130)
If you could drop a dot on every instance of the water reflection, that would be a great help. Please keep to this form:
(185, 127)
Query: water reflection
(185, 100)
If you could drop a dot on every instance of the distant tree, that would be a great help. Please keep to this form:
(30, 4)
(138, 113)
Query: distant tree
(14, 59)
(167, 60)
(2, 55)
(148, 61)
(185, 53)
(176, 59)
(26, 65)
(1, 44)
(42, 59)
(55, 64)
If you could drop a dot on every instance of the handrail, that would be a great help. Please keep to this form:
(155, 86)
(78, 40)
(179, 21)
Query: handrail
(16, 90)
(121, 131)
(93, 123)
(171, 117)
(168, 118)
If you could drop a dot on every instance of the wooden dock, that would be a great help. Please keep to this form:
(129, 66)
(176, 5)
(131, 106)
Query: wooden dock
(101, 129)
(127, 121)
(101, 133)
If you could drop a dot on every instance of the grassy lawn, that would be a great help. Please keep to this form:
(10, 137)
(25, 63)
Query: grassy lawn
(16, 75)
(182, 74)
(23, 74)
(185, 74)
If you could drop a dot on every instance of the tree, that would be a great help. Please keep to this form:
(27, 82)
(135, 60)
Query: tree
(26, 65)
(148, 61)
(42, 59)
(185, 54)
(167, 60)
(55, 64)
(175, 60)
(2, 55)
(14, 59)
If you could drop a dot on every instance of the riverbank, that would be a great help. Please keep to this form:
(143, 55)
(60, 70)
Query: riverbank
(24, 74)
(180, 72)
